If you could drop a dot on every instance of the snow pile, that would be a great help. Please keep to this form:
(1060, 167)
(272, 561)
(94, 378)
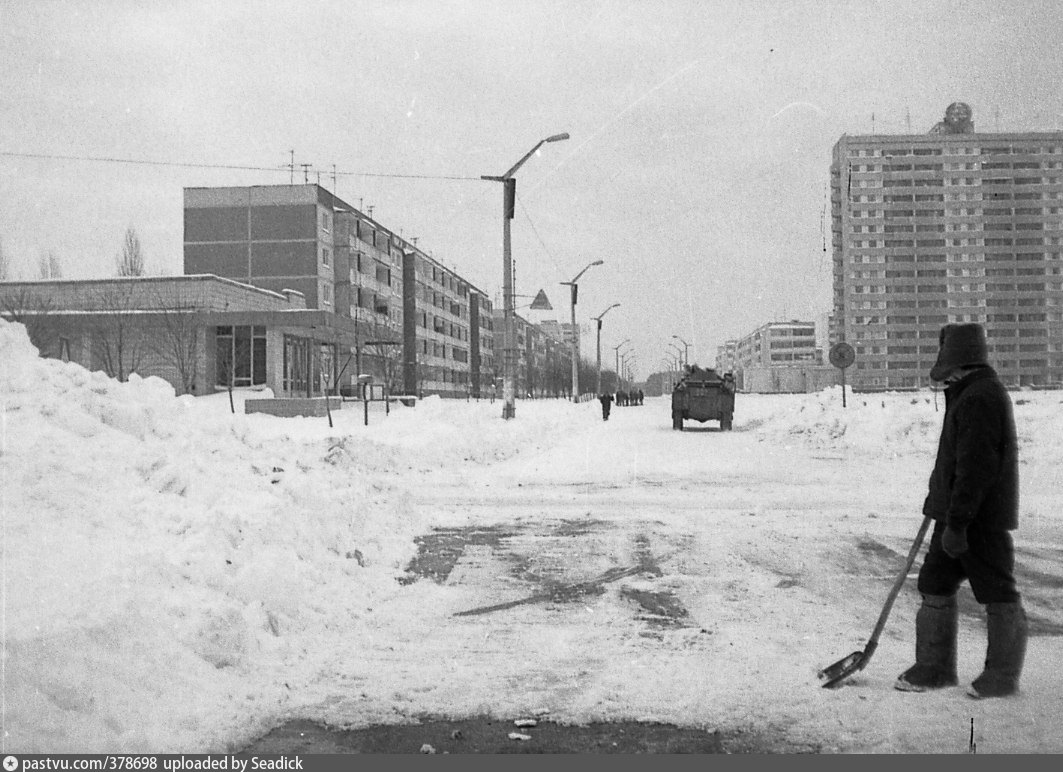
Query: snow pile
(869, 423)
(149, 544)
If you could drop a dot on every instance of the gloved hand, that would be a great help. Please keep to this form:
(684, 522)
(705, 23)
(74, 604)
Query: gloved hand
(954, 541)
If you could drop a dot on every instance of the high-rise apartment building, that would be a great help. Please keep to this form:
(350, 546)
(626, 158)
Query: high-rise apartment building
(948, 226)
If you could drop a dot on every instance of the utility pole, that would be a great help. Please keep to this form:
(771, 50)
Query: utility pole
(598, 319)
(616, 352)
(509, 350)
(575, 337)
(686, 349)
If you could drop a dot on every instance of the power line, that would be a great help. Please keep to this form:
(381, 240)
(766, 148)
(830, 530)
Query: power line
(536, 232)
(103, 159)
(408, 176)
(236, 167)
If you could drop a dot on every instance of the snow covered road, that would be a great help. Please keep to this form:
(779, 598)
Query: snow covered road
(627, 571)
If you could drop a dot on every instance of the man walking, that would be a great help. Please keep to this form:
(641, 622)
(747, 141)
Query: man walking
(607, 402)
(974, 498)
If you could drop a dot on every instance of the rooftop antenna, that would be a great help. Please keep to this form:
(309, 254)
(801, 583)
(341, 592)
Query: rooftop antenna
(291, 167)
(306, 173)
(872, 123)
(908, 119)
(334, 188)
(370, 210)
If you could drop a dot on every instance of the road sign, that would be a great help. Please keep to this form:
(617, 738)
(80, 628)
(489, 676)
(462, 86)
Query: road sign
(541, 302)
(841, 355)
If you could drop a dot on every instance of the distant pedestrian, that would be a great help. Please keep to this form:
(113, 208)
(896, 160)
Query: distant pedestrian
(641, 397)
(607, 402)
(974, 499)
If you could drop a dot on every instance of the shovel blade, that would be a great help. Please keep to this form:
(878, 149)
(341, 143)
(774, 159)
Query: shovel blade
(833, 675)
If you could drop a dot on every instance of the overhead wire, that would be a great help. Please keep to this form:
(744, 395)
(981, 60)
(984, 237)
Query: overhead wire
(524, 211)
(231, 167)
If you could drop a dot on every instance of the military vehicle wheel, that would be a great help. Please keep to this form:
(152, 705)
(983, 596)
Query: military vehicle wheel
(725, 423)
(677, 421)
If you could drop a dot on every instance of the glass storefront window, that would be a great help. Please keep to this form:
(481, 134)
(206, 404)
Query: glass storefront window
(240, 356)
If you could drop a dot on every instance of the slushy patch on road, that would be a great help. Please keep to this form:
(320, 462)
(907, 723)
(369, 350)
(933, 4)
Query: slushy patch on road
(480, 734)
(439, 552)
(662, 609)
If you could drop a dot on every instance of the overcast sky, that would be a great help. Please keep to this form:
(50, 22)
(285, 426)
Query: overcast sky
(697, 168)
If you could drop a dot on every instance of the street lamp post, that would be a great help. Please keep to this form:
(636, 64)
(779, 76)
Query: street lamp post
(598, 319)
(623, 364)
(616, 352)
(674, 373)
(678, 351)
(575, 339)
(686, 347)
(667, 363)
(509, 351)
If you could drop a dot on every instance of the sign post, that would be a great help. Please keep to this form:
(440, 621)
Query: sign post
(365, 381)
(842, 356)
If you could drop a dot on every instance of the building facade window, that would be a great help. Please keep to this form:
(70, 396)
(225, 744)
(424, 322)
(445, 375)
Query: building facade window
(240, 356)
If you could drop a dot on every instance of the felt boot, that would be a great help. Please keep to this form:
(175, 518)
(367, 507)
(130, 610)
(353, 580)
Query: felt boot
(935, 646)
(1007, 630)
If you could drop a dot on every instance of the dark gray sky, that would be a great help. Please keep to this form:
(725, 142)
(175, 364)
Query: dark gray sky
(697, 168)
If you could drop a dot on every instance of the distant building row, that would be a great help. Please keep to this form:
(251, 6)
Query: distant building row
(929, 229)
(292, 288)
(777, 357)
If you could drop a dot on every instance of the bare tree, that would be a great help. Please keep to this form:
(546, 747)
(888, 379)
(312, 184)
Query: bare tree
(119, 346)
(389, 356)
(378, 339)
(36, 313)
(177, 343)
(49, 266)
(130, 261)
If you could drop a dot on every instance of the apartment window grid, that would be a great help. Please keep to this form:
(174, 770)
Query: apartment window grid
(1015, 211)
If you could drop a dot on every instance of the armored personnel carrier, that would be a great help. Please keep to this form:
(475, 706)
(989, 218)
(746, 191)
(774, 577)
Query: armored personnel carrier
(703, 395)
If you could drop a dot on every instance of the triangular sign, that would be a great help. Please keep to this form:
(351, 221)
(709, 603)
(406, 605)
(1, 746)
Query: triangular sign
(541, 303)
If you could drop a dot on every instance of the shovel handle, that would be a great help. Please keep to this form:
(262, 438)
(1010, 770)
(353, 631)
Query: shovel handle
(897, 584)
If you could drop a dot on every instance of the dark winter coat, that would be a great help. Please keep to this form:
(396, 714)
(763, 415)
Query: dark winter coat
(976, 474)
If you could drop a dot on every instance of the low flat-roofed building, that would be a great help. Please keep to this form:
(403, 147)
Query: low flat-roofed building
(201, 333)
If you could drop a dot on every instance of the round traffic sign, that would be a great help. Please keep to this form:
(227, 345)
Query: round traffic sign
(841, 355)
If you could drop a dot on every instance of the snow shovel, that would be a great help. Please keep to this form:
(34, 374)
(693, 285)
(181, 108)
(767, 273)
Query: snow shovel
(833, 675)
